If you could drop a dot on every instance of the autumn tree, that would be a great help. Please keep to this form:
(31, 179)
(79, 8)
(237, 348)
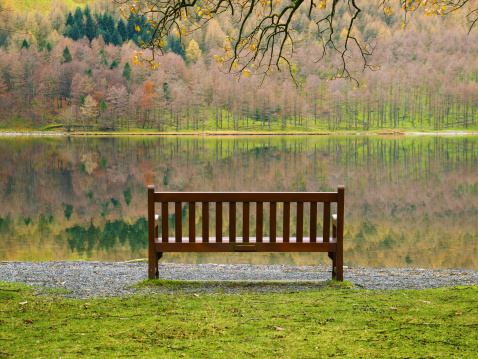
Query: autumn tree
(267, 36)
(193, 52)
(89, 109)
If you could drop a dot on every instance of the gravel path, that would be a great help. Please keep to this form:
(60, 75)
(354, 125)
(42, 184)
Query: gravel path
(99, 279)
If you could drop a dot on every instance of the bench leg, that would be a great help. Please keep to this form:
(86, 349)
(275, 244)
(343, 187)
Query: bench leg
(339, 264)
(158, 257)
(333, 256)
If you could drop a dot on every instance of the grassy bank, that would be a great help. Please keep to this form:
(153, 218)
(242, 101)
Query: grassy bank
(231, 133)
(332, 321)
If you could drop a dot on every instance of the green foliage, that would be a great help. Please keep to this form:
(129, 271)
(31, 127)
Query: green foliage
(122, 30)
(25, 44)
(312, 324)
(68, 211)
(113, 65)
(103, 106)
(90, 28)
(66, 56)
(128, 196)
(69, 20)
(174, 45)
(127, 71)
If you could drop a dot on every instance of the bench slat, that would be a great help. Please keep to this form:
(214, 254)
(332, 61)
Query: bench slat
(178, 225)
(259, 210)
(300, 221)
(232, 221)
(313, 221)
(205, 221)
(286, 222)
(245, 221)
(164, 220)
(326, 231)
(218, 221)
(192, 221)
(245, 196)
(273, 224)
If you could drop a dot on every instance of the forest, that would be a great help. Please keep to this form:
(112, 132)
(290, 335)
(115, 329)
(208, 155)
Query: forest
(71, 69)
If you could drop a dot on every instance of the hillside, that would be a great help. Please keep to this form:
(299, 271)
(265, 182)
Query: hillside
(42, 5)
(72, 68)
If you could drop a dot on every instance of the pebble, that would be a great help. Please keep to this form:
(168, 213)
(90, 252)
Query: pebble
(87, 279)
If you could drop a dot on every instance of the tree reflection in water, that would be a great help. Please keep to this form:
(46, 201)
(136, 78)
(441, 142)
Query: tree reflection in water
(410, 200)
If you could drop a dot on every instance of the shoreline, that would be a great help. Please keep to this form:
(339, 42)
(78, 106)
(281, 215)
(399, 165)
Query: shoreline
(234, 133)
(86, 279)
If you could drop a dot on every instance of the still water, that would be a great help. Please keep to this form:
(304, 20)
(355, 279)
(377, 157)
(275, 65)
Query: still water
(411, 201)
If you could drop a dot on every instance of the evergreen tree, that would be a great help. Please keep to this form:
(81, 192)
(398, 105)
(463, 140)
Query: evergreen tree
(87, 12)
(81, 28)
(90, 27)
(74, 32)
(69, 20)
(122, 30)
(116, 38)
(25, 44)
(113, 65)
(106, 37)
(130, 28)
(66, 56)
(109, 23)
(78, 17)
(48, 46)
(103, 58)
(99, 20)
(176, 47)
(127, 71)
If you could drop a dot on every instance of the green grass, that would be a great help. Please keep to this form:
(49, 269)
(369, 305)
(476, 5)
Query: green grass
(329, 322)
(44, 5)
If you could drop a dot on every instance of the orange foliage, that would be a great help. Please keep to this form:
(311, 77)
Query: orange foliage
(99, 96)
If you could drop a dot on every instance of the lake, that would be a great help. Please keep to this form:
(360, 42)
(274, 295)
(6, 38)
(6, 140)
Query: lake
(410, 201)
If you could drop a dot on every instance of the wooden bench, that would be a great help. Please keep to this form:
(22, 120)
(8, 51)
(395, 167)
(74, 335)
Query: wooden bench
(231, 243)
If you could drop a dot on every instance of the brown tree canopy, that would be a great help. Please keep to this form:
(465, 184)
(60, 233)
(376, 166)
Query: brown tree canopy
(263, 35)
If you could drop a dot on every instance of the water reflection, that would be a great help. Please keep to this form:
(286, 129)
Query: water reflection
(410, 201)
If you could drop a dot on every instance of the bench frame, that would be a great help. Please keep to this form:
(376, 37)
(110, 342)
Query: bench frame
(333, 245)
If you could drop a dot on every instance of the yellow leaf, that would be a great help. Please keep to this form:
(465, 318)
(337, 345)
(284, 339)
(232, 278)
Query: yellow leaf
(403, 25)
(135, 60)
(234, 65)
(137, 28)
(246, 73)
(122, 12)
(142, 64)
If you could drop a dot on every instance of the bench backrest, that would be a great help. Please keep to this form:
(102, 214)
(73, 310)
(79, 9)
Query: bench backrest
(178, 198)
